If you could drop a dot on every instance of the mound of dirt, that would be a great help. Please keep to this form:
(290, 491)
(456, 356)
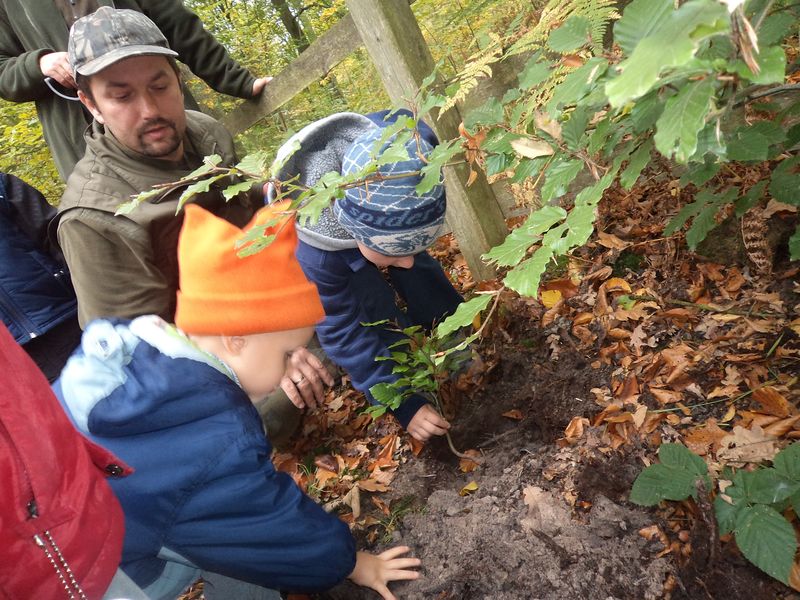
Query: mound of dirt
(544, 522)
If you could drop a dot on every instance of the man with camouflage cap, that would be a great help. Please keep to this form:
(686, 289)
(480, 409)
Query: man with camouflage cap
(33, 44)
(126, 265)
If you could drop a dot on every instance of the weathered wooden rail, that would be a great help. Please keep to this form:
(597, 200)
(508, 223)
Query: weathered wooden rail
(399, 52)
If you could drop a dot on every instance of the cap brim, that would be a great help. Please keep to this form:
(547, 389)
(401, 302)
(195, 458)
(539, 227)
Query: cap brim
(98, 64)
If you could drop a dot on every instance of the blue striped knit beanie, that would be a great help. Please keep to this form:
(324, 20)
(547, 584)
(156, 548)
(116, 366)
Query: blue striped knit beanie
(389, 216)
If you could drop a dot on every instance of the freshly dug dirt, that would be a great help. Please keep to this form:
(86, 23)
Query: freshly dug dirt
(545, 522)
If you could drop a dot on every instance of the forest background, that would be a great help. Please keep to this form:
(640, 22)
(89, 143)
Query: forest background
(265, 36)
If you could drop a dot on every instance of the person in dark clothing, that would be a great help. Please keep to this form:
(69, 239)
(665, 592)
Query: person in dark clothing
(381, 224)
(37, 302)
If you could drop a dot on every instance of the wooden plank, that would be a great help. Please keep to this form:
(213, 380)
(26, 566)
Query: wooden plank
(395, 43)
(313, 64)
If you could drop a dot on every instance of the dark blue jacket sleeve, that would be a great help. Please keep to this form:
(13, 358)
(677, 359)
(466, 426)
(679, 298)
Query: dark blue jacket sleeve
(258, 526)
(345, 340)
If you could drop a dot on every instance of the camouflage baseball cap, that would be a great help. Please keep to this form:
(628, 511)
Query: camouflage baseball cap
(108, 35)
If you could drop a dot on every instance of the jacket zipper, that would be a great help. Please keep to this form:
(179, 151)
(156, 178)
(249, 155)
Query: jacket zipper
(16, 314)
(44, 540)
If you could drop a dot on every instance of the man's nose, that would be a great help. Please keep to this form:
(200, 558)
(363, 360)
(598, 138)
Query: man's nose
(148, 106)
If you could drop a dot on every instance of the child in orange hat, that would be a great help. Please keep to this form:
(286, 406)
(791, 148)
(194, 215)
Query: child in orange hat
(175, 404)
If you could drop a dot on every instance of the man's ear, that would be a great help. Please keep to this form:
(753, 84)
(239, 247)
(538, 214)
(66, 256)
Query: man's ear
(91, 106)
(234, 344)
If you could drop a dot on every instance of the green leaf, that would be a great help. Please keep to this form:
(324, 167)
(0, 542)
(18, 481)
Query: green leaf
(685, 213)
(636, 164)
(775, 27)
(464, 315)
(581, 226)
(662, 482)
(527, 168)
(558, 177)
(672, 44)
(432, 172)
(751, 198)
(752, 142)
(209, 164)
(255, 164)
(645, 112)
(497, 163)
(234, 190)
(679, 456)
(534, 72)
(785, 183)
(573, 129)
(705, 221)
(700, 173)
(787, 462)
(516, 244)
(767, 486)
(767, 540)
(387, 395)
(197, 187)
(772, 63)
(254, 247)
(288, 151)
(573, 34)
(577, 84)
(127, 207)
(488, 113)
(794, 245)
(641, 19)
(726, 514)
(673, 479)
(524, 278)
(683, 118)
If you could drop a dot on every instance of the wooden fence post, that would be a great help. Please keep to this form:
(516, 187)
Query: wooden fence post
(395, 43)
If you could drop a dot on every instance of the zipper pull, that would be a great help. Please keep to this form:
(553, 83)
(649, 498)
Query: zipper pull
(33, 509)
(38, 541)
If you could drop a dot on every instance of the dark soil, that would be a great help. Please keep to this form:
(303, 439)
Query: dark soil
(546, 522)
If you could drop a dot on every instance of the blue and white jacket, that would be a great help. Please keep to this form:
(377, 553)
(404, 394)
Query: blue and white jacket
(204, 494)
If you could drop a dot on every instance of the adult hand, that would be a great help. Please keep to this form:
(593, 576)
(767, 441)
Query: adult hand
(56, 65)
(259, 85)
(377, 571)
(304, 378)
(427, 423)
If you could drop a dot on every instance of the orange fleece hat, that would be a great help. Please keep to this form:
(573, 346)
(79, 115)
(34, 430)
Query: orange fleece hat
(223, 294)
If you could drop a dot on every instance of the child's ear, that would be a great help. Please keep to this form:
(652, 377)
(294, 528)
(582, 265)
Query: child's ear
(234, 344)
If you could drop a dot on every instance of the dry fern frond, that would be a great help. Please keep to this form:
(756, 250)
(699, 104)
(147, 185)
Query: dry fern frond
(477, 67)
(756, 244)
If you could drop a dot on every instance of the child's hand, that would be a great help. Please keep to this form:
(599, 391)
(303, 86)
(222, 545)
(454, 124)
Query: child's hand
(426, 423)
(377, 571)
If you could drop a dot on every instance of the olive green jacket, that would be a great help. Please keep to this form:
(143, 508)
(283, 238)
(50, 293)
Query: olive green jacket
(32, 28)
(126, 266)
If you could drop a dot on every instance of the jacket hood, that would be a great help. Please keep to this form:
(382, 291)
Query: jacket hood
(309, 154)
(110, 394)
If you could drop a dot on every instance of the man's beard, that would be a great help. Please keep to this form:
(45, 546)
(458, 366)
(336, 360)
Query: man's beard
(163, 147)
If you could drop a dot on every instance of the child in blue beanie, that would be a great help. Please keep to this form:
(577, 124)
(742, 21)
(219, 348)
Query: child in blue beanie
(380, 224)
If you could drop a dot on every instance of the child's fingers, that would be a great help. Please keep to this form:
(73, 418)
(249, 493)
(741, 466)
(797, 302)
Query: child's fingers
(393, 552)
(400, 575)
(403, 563)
